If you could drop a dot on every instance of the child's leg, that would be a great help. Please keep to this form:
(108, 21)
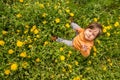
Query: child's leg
(75, 26)
(67, 42)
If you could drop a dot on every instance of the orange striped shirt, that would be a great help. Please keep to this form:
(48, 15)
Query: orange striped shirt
(80, 40)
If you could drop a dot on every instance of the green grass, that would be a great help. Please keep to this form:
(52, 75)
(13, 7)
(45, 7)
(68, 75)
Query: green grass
(41, 58)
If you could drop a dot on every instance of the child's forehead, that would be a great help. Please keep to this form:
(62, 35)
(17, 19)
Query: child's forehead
(94, 29)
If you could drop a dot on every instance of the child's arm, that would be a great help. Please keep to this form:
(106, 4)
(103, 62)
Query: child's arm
(75, 26)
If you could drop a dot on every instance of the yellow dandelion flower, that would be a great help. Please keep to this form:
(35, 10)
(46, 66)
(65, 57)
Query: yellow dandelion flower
(60, 11)
(41, 6)
(94, 49)
(70, 52)
(109, 27)
(64, 70)
(14, 67)
(27, 26)
(37, 36)
(57, 20)
(18, 15)
(88, 68)
(23, 54)
(25, 64)
(44, 15)
(98, 41)
(37, 60)
(7, 72)
(30, 46)
(110, 63)
(95, 19)
(30, 40)
(58, 4)
(67, 2)
(52, 76)
(116, 24)
(61, 49)
(21, 1)
(104, 68)
(89, 62)
(68, 55)
(70, 66)
(67, 25)
(2, 43)
(48, 4)
(108, 34)
(67, 10)
(76, 63)
(26, 4)
(36, 31)
(44, 22)
(117, 32)
(25, 42)
(71, 14)
(70, 70)
(81, 76)
(10, 51)
(29, 56)
(94, 54)
(109, 60)
(19, 43)
(33, 28)
(28, 37)
(18, 31)
(37, 3)
(62, 58)
(104, 30)
(56, 60)
(55, 7)
(76, 78)
(26, 31)
(35, 39)
(4, 32)
(45, 43)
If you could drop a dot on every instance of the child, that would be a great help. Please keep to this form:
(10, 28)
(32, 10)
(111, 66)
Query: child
(84, 39)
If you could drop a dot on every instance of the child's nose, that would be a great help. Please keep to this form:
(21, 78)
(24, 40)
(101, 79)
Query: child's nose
(90, 34)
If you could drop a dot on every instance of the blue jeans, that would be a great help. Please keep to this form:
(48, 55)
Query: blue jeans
(68, 42)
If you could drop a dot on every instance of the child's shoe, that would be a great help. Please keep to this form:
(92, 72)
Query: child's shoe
(54, 38)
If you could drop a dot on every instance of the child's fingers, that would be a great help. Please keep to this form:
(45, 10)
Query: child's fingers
(84, 47)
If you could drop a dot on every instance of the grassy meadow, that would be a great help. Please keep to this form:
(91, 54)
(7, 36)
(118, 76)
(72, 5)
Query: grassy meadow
(26, 49)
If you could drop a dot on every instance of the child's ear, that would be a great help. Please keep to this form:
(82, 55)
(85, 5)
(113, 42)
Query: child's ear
(100, 32)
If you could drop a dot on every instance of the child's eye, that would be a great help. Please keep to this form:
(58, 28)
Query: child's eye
(93, 34)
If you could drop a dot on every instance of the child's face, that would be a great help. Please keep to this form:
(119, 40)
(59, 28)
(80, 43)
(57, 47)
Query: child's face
(90, 34)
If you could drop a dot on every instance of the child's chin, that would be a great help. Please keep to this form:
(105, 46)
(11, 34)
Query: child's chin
(88, 39)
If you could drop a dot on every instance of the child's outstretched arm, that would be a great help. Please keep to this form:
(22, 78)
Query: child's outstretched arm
(75, 26)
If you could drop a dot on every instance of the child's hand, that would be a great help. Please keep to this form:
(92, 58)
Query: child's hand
(84, 47)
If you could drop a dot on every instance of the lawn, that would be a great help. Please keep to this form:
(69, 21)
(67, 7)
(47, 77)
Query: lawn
(26, 49)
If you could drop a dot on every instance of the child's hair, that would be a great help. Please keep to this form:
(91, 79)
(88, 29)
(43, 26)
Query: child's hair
(95, 25)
